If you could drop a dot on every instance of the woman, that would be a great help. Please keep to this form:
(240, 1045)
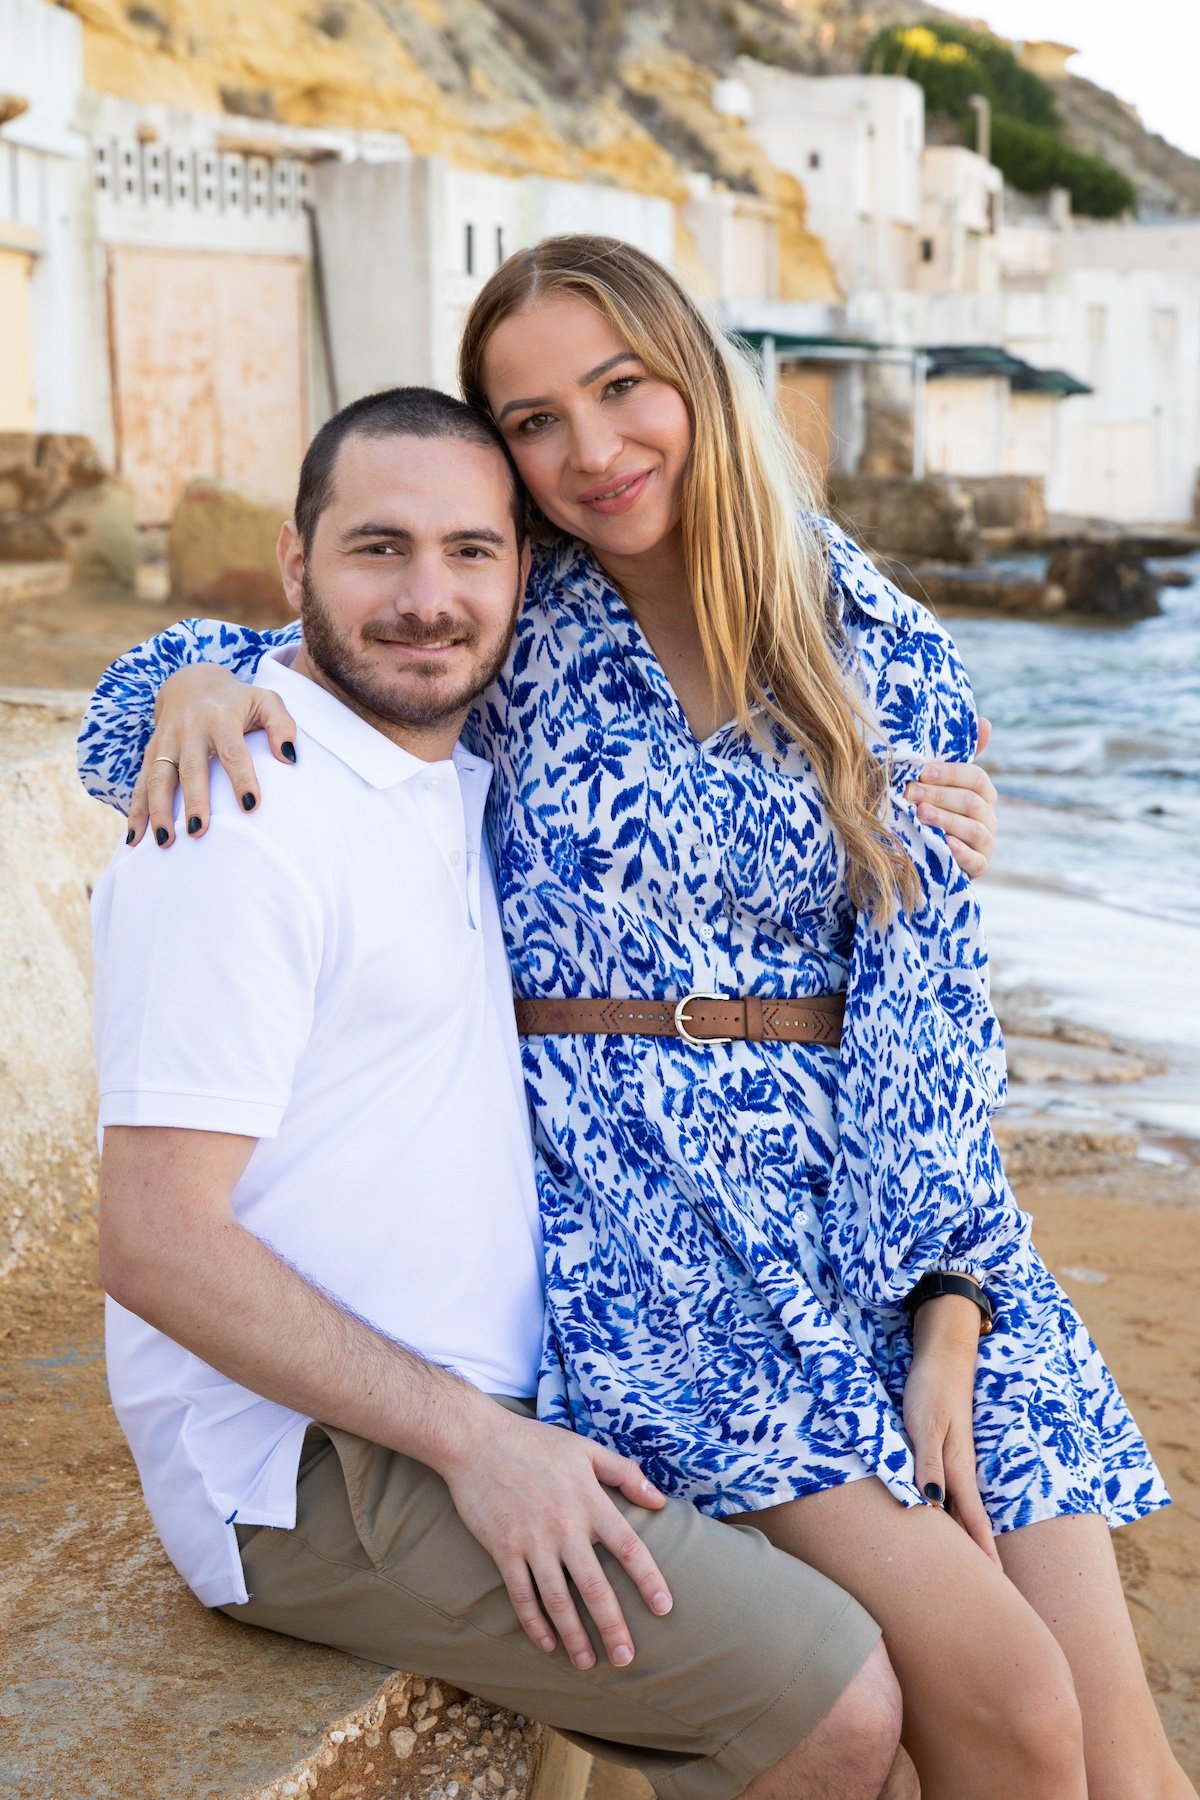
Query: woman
(701, 742)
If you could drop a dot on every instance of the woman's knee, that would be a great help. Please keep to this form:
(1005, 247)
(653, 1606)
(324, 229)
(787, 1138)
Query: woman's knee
(1037, 1718)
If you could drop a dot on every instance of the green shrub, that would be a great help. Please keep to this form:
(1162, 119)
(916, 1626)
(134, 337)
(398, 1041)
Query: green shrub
(1033, 159)
(951, 63)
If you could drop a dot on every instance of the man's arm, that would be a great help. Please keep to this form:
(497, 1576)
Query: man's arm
(172, 1252)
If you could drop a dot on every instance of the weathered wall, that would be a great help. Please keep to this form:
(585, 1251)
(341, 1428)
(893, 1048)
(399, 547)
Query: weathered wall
(53, 843)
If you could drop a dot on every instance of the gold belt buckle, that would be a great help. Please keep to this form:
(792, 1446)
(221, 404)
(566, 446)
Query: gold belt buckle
(681, 1018)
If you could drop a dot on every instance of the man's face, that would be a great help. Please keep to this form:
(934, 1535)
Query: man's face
(409, 591)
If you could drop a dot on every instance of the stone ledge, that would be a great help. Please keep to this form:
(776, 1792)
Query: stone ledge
(24, 581)
(115, 1682)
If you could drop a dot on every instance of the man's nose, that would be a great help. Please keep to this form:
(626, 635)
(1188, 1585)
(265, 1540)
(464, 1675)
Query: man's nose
(425, 588)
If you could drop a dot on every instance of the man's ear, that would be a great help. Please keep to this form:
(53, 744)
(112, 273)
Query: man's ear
(290, 552)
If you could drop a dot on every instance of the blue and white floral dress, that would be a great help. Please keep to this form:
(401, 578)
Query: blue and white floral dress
(730, 1231)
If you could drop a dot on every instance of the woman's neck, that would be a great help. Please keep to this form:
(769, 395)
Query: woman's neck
(658, 594)
(654, 585)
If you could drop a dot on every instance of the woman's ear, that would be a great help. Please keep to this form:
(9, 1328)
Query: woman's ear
(289, 550)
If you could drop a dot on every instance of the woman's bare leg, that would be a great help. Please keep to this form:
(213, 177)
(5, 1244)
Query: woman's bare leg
(1067, 1571)
(989, 1707)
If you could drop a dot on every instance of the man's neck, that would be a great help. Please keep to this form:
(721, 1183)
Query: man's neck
(431, 743)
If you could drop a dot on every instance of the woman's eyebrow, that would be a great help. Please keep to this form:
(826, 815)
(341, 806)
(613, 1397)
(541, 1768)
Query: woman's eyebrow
(584, 381)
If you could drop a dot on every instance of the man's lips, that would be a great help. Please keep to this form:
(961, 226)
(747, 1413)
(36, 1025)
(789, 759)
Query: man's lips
(406, 647)
(617, 494)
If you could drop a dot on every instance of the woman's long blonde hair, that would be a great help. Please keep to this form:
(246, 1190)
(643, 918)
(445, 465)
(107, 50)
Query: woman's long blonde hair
(754, 553)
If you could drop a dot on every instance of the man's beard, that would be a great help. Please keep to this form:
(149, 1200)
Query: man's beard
(372, 693)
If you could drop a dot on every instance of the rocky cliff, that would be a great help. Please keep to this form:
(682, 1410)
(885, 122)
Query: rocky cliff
(607, 90)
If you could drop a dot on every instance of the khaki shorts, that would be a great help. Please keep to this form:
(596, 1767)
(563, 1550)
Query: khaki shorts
(755, 1651)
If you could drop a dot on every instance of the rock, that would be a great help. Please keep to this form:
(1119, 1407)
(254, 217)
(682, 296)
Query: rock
(903, 517)
(1036, 1147)
(38, 468)
(58, 503)
(950, 587)
(221, 553)
(1103, 581)
(98, 534)
(24, 581)
(1007, 502)
(1176, 578)
(53, 843)
(1037, 1060)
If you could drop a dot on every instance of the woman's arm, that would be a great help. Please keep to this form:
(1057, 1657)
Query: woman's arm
(185, 695)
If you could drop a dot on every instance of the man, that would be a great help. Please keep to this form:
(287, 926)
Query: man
(317, 1201)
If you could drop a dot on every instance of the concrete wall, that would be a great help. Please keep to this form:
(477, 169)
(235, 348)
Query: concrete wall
(398, 318)
(16, 341)
(966, 425)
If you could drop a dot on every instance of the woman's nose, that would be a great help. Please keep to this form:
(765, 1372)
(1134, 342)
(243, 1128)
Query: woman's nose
(594, 446)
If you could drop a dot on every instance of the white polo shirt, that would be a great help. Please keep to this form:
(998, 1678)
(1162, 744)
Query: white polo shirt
(327, 977)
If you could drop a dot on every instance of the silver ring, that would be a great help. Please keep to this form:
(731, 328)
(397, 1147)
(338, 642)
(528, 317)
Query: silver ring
(169, 759)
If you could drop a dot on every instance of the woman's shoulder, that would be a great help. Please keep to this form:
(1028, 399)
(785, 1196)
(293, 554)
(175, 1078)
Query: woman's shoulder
(865, 601)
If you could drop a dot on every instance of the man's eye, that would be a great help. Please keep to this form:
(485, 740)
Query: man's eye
(379, 549)
(474, 552)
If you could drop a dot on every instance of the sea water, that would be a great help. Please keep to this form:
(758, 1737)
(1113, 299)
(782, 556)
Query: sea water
(1093, 897)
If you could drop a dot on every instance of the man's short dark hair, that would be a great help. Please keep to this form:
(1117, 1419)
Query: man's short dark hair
(418, 412)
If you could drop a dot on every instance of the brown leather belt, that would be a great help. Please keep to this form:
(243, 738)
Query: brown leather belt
(699, 1019)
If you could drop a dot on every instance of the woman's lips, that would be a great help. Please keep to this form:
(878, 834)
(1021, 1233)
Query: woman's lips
(616, 496)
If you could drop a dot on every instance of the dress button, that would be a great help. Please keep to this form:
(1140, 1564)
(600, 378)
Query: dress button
(708, 933)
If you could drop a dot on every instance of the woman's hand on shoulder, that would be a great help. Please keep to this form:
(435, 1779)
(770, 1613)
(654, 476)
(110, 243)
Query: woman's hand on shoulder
(959, 799)
(202, 712)
(939, 1412)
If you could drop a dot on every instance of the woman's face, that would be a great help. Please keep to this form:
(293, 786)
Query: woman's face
(600, 442)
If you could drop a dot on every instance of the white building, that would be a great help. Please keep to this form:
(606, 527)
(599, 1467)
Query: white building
(1103, 400)
(197, 292)
(1119, 306)
(854, 142)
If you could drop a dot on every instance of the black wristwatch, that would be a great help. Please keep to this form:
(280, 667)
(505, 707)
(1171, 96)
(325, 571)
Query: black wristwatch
(941, 1281)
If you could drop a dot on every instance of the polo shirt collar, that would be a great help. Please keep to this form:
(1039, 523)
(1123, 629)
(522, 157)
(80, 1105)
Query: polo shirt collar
(373, 757)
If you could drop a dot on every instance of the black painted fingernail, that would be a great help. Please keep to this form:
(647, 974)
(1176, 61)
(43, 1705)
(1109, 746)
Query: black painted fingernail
(289, 749)
(161, 835)
(248, 802)
(933, 1493)
(193, 825)
(129, 836)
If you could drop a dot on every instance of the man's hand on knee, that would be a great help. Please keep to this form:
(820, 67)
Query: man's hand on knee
(535, 1498)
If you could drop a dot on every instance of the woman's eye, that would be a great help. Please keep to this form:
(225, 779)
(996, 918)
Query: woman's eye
(533, 424)
(623, 384)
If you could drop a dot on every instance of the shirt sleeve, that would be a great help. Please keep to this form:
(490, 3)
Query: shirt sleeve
(119, 720)
(917, 1183)
(206, 966)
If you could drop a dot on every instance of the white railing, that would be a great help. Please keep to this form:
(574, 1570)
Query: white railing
(182, 179)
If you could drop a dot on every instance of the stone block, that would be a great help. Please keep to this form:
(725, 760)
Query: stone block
(903, 517)
(1007, 502)
(221, 553)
